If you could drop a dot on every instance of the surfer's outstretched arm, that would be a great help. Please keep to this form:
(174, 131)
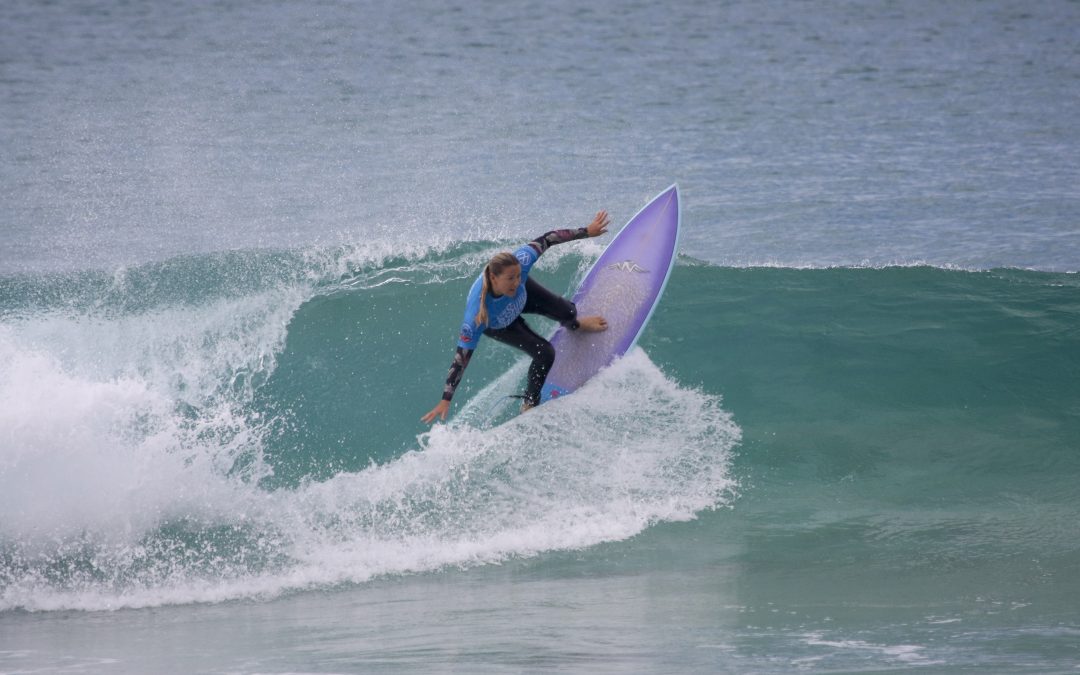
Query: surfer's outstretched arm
(594, 229)
(453, 379)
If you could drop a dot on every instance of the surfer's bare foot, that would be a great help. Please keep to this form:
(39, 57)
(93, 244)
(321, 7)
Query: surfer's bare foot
(527, 406)
(593, 324)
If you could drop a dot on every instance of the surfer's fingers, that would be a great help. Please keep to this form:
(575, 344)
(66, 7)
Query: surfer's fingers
(430, 417)
(599, 223)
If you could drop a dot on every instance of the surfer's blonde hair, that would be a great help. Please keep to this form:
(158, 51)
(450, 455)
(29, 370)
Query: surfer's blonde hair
(496, 266)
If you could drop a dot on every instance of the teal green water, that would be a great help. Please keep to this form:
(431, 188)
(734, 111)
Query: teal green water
(855, 467)
(234, 242)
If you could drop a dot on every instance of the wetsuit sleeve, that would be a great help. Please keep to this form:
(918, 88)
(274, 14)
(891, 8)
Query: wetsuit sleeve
(549, 239)
(457, 369)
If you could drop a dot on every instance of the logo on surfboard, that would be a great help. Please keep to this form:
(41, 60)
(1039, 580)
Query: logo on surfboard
(627, 266)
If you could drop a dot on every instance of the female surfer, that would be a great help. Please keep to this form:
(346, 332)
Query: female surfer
(498, 298)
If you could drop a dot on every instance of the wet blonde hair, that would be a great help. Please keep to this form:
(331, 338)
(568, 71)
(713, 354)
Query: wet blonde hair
(496, 266)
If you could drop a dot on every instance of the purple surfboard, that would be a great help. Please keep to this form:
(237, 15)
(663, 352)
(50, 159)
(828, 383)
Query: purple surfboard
(624, 286)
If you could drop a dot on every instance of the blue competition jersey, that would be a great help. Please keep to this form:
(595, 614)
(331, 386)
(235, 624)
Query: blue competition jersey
(501, 310)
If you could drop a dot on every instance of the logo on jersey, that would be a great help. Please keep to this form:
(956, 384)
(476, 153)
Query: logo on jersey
(466, 333)
(511, 311)
(627, 266)
(523, 257)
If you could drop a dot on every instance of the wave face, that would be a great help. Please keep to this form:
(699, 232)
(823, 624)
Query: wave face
(245, 424)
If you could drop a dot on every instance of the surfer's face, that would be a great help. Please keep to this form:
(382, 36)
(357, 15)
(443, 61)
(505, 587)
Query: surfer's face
(508, 281)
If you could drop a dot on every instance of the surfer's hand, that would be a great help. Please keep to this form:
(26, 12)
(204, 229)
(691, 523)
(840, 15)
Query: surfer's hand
(599, 224)
(439, 411)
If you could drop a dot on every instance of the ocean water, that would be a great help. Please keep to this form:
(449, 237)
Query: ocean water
(234, 247)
